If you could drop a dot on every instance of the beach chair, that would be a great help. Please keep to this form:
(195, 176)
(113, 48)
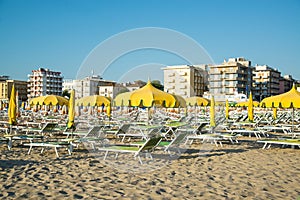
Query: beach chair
(49, 127)
(121, 130)
(6, 141)
(142, 132)
(175, 143)
(95, 136)
(54, 144)
(281, 141)
(146, 148)
(37, 134)
(213, 138)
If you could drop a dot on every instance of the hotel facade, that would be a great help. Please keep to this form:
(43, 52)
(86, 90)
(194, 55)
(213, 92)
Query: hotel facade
(185, 80)
(44, 82)
(230, 78)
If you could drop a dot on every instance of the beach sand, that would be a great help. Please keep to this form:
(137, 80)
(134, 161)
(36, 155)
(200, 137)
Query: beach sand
(239, 171)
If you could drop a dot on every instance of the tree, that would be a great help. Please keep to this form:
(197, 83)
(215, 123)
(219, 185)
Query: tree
(123, 90)
(157, 84)
(66, 93)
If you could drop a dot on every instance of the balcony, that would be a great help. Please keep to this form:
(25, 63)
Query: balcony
(182, 86)
(182, 80)
(182, 73)
(171, 75)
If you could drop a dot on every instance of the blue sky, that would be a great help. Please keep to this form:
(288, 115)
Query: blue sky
(59, 34)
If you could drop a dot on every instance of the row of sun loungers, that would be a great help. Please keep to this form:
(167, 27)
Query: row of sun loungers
(132, 136)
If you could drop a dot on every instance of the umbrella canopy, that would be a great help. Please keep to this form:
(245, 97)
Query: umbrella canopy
(290, 99)
(148, 96)
(212, 112)
(180, 101)
(94, 100)
(245, 104)
(71, 114)
(250, 108)
(227, 109)
(49, 100)
(122, 99)
(197, 101)
(12, 107)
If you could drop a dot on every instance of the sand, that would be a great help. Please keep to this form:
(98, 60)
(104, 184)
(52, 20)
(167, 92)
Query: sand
(239, 171)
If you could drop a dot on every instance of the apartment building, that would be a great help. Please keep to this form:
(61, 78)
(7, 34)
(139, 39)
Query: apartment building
(44, 82)
(230, 78)
(265, 82)
(109, 89)
(285, 83)
(6, 86)
(68, 85)
(93, 85)
(185, 80)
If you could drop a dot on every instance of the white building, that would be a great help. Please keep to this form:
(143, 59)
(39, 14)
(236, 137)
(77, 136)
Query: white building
(68, 84)
(265, 82)
(87, 86)
(185, 80)
(44, 82)
(94, 85)
(110, 89)
(230, 78)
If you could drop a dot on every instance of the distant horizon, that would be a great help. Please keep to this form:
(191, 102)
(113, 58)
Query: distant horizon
(60, 35)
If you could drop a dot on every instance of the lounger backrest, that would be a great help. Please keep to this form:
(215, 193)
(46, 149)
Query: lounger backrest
(178, 139)
(201, 126)
(150, 144)
(49, 127)
(94, 132)
(124, 128)
(155, 132)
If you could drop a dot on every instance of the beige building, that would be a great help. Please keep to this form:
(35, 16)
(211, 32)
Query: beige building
(6, 86)
(44, 82)
(230, 78)
(185, 80)
(265, 82)
(92, 85)
(285, 83)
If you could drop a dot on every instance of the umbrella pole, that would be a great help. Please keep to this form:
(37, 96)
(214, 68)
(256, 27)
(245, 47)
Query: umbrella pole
(293, 120)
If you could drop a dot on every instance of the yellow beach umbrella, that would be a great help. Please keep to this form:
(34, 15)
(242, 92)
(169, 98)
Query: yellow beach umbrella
(122, 99)
(290, 99)
(246, 103)
(12, 108)
(71, 113)
(148, 96)
(227, 109)
(180, 101)
(108, 111)
(49, 100)
(197, 101)
(94, 100)
(212, 112)
(250, 108)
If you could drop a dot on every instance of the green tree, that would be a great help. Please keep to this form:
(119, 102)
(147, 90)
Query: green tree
(66, 93)
(157, 84)
(123, 90)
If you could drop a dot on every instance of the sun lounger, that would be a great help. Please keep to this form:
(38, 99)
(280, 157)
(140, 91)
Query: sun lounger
(47, 128)
(6, 141)
(142, 132)
(213, 138)
(55, 145)
(146, 148)
(283, 142)
(175, 143)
